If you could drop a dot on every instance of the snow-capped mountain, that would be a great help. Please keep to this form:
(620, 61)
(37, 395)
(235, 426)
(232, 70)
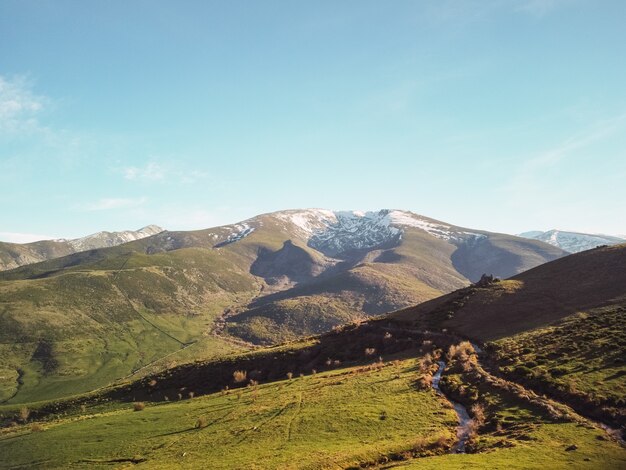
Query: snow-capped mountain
(572, 242)
(13, 255)
(294, 272)
(106, 239)
(335, 232)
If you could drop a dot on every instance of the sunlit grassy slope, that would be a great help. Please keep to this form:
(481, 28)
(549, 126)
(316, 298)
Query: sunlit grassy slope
(345, 418)
(327, 420)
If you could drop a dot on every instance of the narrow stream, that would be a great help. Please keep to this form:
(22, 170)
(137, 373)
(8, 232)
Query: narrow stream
(464, 428)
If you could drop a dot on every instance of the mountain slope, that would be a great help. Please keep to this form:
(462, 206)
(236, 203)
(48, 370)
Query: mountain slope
(271, 278)
(573, 242)
(534, 298)
(559, 329)
(13, 255)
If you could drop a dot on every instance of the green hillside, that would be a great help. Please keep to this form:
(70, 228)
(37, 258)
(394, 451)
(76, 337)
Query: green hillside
(174, 297)
(355, 411)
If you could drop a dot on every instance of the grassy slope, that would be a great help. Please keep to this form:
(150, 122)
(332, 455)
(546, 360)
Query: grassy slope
(582, 358)
(558, 329)
(109, 312)
(545, 448)
(104, 322)
(325, 420)
(337, 419)
(529, 300)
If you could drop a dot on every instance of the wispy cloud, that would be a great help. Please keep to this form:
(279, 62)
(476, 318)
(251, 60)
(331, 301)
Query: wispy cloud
(555, 184)
(470, 11)
(540, 8)
(105, 204)
(19, 105)
(160, 172)
(150, 172)
(553, 156)
(16, 237)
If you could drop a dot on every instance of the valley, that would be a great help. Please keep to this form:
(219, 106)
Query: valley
(113, 312)
(263, 352)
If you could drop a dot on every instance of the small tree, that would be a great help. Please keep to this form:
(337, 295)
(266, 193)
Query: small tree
(240, 376)
(24, 414)
(478, 412)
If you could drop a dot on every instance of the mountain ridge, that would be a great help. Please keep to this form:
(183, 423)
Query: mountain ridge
(572, 242)
(263, 280)
(14, 255)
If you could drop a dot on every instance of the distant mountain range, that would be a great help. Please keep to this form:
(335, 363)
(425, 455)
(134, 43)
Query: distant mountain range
(573, 242)
(104, 313)
(13, 255)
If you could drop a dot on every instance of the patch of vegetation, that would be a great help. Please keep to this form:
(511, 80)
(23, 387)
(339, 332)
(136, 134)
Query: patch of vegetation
(581, 360)
(330, 419)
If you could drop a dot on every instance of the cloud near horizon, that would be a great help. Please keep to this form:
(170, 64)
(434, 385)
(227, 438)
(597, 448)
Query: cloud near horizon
(104, 204)
(16, 237)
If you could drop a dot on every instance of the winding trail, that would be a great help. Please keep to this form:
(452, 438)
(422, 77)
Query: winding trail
(463, 430)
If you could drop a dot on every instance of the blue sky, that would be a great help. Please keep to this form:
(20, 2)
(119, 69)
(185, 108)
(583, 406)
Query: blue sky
(505, 115)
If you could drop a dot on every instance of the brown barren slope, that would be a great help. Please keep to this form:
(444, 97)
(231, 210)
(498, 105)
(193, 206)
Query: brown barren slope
(529, 300)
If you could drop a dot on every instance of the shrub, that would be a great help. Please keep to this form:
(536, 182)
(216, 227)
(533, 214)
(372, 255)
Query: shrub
(24, 414)
(426, 362)
(239, 376)
(36, 427)
(523, 371)
(289, 375)
(201, 423)
(139, 405)
(478, 412)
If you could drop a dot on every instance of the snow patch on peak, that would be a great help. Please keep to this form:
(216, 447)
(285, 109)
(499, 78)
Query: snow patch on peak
(334, 232)
(355, 230)
(572, 242)
(108, 239)
(240, 231)
(436, 229)
(308, 221)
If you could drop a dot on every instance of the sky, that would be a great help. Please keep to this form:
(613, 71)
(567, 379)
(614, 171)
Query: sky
(502, 115)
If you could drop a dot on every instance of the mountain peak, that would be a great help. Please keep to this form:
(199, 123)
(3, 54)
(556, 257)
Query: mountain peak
(572, 242)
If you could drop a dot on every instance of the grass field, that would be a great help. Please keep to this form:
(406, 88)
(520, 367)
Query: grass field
(581, 360)
(328, 420)
(545, 448)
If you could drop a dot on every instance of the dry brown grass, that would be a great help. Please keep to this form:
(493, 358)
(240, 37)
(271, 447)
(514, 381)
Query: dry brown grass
(36, 427)
(240, 376)
(24, 414)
